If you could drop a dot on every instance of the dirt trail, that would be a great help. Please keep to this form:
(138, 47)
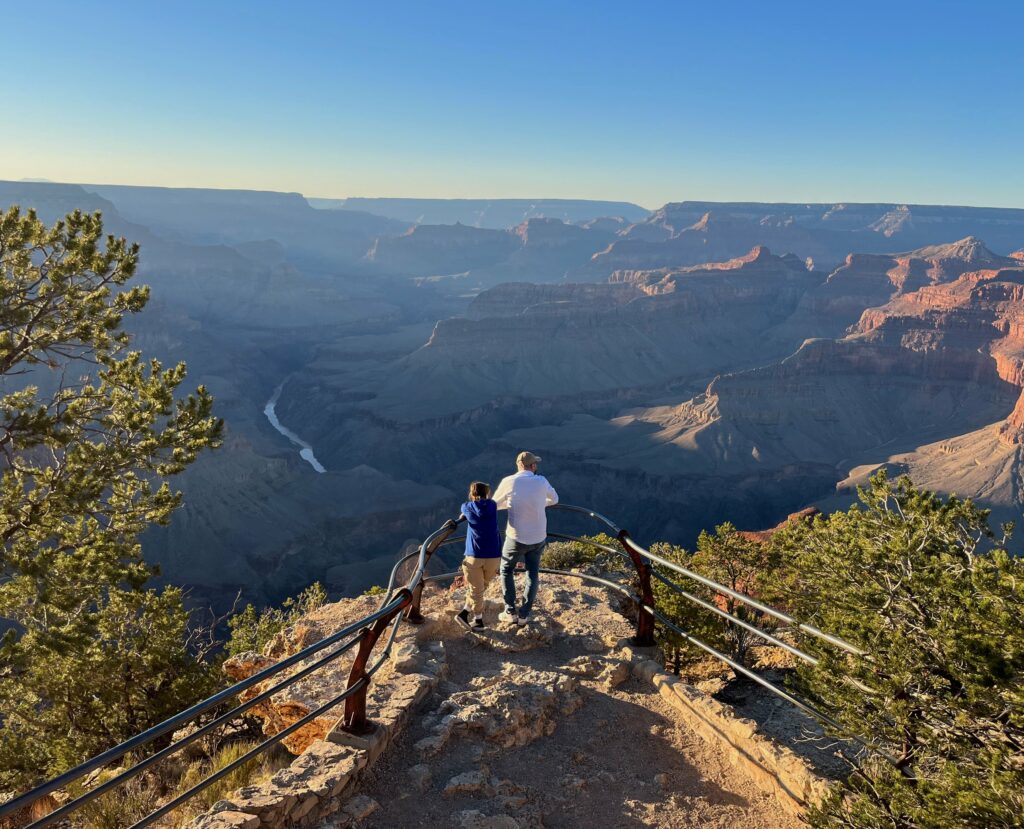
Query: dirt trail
(542, 726)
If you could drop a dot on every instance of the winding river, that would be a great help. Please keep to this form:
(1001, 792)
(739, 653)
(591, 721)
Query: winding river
(305, 450)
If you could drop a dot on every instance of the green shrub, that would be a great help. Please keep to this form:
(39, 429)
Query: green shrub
(133, 800)
(125, 805)
(570, 555)
(252, 629)
(251, 773)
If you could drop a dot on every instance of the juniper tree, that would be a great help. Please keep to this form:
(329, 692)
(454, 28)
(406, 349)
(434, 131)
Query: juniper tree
(89, 434)
(729, 558)
(926, 589)
(746, 566)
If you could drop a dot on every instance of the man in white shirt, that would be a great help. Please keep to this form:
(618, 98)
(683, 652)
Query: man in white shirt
(526, 495)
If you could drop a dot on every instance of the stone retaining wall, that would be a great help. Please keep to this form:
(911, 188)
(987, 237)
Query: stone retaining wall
(774, 768)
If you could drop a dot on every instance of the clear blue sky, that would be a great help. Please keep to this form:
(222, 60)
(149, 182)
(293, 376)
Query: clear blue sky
(649, 102)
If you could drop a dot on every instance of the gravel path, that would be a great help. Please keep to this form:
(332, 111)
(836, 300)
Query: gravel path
(608, 757)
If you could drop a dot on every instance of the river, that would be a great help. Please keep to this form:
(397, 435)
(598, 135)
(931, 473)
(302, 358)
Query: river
(305, 450)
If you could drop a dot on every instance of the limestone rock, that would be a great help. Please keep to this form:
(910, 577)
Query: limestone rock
(293, 639)
(225, 820)
(360, 807)
(406, 658)
(269, 804)
(469, 782)
(244, 665)
(510, 707)
(420, 777)
(588, 666)
(323, 769)
(611, 672)
(474, 819)
(615, 674)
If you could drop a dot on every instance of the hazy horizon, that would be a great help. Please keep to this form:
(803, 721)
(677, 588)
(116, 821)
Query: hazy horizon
(529, 197)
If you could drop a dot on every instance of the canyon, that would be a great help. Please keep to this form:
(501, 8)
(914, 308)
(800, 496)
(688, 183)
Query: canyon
(675, 369)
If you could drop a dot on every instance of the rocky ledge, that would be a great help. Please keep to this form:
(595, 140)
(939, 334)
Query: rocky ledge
(458, 707)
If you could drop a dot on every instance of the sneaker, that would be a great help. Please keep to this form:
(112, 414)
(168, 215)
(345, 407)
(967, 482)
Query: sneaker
(506, 616)
(478, 623)
(462, 617)
(521, 620)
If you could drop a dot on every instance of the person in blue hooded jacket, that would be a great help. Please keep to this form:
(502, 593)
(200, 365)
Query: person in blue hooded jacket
(483, 552)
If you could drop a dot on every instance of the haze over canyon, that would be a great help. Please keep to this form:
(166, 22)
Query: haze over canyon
(676, 368)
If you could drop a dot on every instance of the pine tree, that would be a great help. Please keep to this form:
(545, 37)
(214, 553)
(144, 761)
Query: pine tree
(89, 434)
(926, 589)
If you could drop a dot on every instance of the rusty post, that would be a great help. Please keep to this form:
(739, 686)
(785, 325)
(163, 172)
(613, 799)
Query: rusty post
(413, 614)
(645, 619)
(354, 720)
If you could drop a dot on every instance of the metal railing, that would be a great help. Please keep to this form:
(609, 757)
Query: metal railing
(404, 602)
(364, 632)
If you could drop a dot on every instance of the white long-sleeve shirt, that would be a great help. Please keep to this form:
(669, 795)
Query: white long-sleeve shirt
(526, 495)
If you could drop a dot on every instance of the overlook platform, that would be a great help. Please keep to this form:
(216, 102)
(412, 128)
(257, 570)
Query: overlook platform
(550, 724)
(566, 721)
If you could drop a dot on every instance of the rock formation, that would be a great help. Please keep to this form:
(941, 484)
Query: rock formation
(868, 280)
(538, 250)
(645, 329)
(982, 313)
(686, 233)
(497, 214)
(441, 249)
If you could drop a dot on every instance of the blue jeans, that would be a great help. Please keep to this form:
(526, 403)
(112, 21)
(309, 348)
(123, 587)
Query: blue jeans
(511, 552)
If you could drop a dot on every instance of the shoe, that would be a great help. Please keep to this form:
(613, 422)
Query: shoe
(478, 624)
(505, 616)
(521, 620)
(462, 617)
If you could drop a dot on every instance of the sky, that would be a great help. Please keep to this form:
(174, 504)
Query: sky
(650, 102)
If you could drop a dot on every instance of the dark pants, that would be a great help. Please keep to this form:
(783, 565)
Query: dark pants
(511, 553)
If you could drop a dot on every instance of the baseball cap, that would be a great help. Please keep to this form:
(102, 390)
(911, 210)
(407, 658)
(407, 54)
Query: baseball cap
(527, 459)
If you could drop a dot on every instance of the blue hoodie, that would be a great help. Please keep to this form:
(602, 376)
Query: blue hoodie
(482, 539)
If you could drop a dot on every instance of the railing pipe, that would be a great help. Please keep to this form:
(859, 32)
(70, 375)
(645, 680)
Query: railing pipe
(180, 719)
(607, 548)
(741, 669)
(745, 599)
(590, 513)
(390, 589)
(611, 585)
(734, 620)
(372, 627)
(426, 551)
(245, 758)
(144, 764)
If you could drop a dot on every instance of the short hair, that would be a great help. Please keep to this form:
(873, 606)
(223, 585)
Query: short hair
(479, 489)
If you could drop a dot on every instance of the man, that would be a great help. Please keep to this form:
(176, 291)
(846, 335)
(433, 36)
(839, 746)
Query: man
(525, 495)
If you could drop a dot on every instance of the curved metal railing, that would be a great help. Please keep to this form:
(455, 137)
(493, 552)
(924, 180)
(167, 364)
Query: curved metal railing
(366, 630)
(400, 603)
